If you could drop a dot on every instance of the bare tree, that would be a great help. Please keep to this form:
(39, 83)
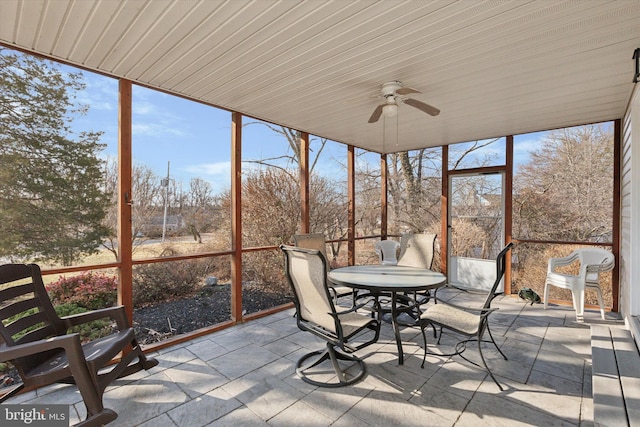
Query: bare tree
(270, 207)
(328, 203)
(292, 156)
(147, 197)
(414, 189)
(415, 183)
(367, 179)
(565, 192)
(198, 208)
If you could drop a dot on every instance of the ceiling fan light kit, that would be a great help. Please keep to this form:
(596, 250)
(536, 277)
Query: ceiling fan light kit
(393, 92)
(390, 110)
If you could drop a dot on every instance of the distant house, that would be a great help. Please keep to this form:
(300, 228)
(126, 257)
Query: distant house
(153, 226)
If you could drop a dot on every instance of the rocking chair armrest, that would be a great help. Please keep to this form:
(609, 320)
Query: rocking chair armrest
(116, 313)
(70, 343)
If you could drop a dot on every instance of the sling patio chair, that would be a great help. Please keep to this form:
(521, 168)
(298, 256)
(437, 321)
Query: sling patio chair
(317, 241)
(316, 313)
(469, 322)
(416, 250)
(37, 343)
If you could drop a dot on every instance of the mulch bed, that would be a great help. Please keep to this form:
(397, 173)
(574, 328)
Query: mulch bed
(209, 307)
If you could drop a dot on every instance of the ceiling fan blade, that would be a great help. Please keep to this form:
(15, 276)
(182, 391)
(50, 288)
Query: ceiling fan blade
(406, 91)
(432, 111)
(376, 114)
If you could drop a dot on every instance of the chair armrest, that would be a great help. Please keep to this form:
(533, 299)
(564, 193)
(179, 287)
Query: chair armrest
(69, 343)
(368, 296)
(487, 311)
(461, 307)
(116, 313)
(561, 261)
(350, 310)
(480, 311)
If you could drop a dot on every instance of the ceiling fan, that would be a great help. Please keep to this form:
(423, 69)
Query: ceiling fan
(393, 92)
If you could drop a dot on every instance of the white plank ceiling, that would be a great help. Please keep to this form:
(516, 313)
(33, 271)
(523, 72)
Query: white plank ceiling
(492, 67)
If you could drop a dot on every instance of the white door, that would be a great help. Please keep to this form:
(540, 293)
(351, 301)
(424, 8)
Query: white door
(476, 229)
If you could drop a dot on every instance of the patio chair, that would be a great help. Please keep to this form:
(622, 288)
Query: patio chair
(592, 262)
(417, 250)
(466, 321)
(387, 250)
(316, 313)
(317, 241)
(37, 343)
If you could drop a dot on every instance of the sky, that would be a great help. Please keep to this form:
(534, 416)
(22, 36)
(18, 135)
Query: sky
(193, 140)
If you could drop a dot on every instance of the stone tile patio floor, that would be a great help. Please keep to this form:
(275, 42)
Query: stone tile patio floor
(245, 376)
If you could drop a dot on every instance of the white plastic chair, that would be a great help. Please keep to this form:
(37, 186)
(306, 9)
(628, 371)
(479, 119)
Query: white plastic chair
(593, 261)
(387, 250)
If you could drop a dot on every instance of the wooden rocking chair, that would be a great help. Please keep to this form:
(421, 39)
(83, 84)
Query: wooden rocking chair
(36, 342)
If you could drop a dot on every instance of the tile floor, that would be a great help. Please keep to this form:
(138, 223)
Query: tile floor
(245, 376)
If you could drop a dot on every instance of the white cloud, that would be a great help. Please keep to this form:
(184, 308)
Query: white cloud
(143, 108)
(155, 130)
(100, 92)
(527, 144)
(217, 168)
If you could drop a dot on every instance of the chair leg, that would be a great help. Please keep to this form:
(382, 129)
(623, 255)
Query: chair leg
(546, 295)
(334, 362)
(97, 414)
(485, 362)
(99, 420)
(494, 343)
(460, 348)
(424, 339)
(333, 356)
(578, 303)
(600, 299)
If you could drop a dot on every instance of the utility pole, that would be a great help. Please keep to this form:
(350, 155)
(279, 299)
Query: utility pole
(165, 184)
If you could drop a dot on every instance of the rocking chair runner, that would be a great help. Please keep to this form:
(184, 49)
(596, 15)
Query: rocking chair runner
(38, 345)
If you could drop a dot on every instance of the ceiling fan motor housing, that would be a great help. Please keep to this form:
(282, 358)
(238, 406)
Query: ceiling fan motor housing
(390, 88)
(394, 93)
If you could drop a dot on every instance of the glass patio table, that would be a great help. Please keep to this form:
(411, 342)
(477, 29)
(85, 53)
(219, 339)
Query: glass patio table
(389, 279)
